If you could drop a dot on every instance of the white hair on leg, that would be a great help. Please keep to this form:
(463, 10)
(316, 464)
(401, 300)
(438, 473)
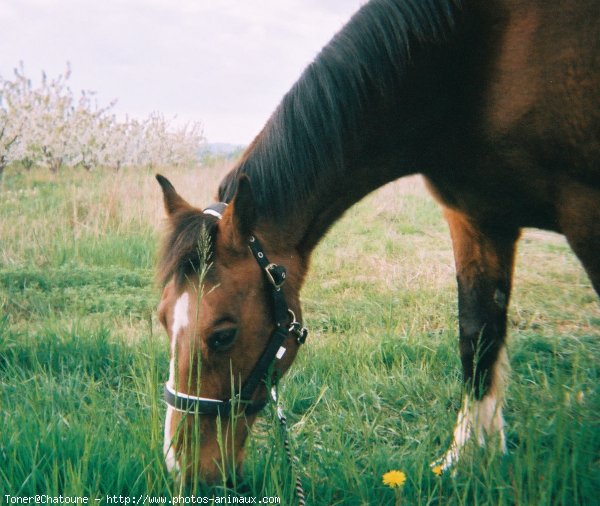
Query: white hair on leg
(483, 417)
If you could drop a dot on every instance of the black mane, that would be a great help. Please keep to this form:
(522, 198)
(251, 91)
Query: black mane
(303, 141)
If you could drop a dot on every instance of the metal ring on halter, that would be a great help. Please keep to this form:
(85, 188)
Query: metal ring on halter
(297, 329)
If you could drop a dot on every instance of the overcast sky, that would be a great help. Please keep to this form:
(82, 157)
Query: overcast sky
(226, 63)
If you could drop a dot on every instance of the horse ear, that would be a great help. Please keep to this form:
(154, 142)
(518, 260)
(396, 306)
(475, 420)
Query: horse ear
(173, 201)
(241, 214)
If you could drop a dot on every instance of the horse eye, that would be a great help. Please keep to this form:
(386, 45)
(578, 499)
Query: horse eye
(222, 340)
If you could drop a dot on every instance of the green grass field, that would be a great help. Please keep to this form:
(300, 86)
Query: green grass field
(376, 388)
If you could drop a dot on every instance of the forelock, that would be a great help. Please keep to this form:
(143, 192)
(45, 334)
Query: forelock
(188, 246)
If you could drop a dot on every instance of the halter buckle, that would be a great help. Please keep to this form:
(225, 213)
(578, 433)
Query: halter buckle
(276, 275)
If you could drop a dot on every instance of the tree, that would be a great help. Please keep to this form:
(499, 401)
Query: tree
(46, 126)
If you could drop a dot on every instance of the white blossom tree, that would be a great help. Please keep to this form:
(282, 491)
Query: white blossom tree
(89, 132)
(8, 137)
(46, 126)
(14, 111)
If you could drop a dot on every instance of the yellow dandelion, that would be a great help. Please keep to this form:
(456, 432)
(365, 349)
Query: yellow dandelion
(394, 479)
(437, 470)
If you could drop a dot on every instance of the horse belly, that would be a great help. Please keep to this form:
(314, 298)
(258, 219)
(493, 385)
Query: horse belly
(536, 128)
(493, 201)
(541, 97)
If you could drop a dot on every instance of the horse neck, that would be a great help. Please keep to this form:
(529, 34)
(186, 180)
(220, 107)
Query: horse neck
(308, 218)
(330, 201)
(330, 144)
(394, 139)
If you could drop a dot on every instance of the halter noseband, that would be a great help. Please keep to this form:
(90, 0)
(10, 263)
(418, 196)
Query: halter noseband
(282, 314)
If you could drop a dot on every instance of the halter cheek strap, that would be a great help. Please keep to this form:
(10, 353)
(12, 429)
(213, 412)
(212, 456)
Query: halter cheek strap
(285, 324)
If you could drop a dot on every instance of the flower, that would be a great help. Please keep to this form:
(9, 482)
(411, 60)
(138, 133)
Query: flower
(394, 479)
(437, 470)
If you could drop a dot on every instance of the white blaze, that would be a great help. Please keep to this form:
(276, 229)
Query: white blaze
(168, 451)
(180, 322)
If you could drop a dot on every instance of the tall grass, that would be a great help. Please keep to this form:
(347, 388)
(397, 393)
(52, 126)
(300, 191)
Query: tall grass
(377, 387)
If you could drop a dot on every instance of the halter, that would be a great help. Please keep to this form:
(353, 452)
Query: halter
(285, 324)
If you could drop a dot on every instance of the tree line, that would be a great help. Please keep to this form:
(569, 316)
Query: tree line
(48, 125)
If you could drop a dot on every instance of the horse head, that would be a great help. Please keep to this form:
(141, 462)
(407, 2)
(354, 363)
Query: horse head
(231, 316)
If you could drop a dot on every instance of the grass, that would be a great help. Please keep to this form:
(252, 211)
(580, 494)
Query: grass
(377, 387)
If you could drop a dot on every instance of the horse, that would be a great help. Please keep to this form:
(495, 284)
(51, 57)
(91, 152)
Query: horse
(496, 103)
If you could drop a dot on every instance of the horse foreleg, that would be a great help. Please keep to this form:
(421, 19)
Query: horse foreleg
(484, 263)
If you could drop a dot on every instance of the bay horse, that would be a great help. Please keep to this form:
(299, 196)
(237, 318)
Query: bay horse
(495, 102)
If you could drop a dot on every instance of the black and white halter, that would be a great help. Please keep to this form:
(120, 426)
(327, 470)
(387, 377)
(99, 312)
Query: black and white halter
(285, 323)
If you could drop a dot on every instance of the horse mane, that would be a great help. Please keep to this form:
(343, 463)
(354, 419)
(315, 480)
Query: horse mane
(323, 111)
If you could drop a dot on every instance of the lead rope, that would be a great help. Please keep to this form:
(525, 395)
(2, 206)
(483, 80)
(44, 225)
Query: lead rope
(286, 444)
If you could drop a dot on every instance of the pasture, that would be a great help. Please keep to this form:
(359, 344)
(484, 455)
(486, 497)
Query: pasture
(377, 387)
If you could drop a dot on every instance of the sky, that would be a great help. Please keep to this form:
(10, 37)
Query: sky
(224, 63)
